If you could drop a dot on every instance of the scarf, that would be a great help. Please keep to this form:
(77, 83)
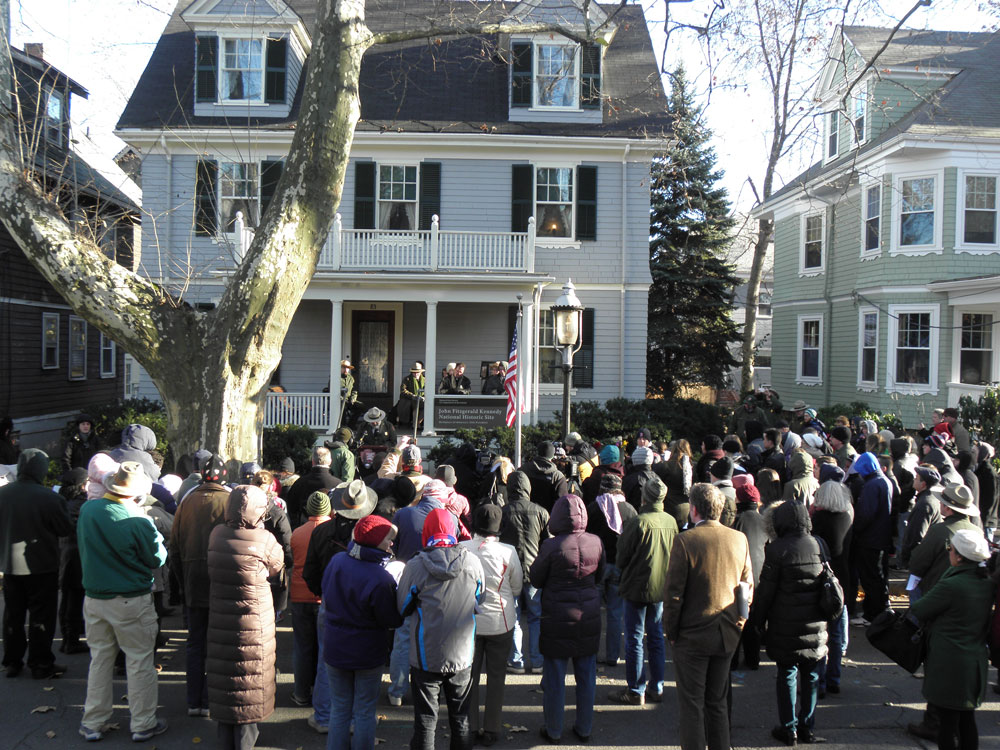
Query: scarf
(608, 504)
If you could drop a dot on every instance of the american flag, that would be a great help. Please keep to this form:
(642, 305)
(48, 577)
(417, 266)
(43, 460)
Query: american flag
(510, 382)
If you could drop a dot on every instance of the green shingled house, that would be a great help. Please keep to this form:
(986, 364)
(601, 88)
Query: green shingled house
(886, 252)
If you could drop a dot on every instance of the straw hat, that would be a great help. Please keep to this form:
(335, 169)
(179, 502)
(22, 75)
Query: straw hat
(346, 363)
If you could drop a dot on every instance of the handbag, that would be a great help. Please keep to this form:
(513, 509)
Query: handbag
(897, 636)
(831, 593)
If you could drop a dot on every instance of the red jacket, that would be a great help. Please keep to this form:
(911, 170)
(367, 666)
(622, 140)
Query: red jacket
(299, 592)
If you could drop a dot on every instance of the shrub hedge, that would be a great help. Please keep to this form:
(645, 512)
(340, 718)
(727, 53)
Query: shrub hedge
(288, 440)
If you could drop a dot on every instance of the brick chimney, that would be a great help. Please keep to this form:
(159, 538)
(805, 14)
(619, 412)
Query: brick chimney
(35, 49)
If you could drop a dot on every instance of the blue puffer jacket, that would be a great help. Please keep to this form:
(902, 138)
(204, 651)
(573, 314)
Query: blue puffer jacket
(359, 596)
(872, 512)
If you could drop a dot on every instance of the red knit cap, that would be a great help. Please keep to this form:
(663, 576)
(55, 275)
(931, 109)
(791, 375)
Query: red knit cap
(371, 530)
(748, 493)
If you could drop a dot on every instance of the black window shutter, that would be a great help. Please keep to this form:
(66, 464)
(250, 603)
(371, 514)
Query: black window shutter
(522, 187)
(583, 360)
(206, 190)
(430, 192)
(590, 76)
(275, 73)
(270, 173)
(206, 68)
(520, 75)
(586, 203)
(364, 195)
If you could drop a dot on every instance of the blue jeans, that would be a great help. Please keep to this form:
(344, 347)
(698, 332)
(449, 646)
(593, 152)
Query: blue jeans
(829, 666)
(321, 688)
(644, 619)
(305, 655)
(614, 607)
(797, 680)
(530, 603)
(554, 697)
(399, 660)
(197, 683)
(354, 694)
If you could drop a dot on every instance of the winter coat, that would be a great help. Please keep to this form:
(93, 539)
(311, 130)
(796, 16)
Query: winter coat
(548, 484)
(930, 560)
(598, 524)
(341, 463)
(568, 569)
(502, 583)
(845, 456)
(989, 492)
(317, 478)
(525, 523)
(326, 541)
(957, 612)
(466, 463)
(926, 512)
(644, 554)
(240, 647)
(873, 510)
(32, 518)
(834, 528)
(441, 588)
(137, 441)
(803, 485)
(361, 611)
(725, 486)
(902, 471)
(591, 487)
(79, 449)
(942, 462)
(203, 509)
(410, 522)
(788, 597)
(298, 591)
(677, 476)
(750, 522)
(633, 482)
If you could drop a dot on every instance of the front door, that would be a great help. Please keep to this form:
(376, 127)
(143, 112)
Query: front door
(372, 347)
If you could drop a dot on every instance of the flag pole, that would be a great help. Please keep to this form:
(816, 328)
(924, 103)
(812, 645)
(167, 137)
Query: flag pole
(517, 405)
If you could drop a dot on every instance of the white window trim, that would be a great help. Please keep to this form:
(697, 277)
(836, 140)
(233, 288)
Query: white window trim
(61, 96)
(827, 132)
(104, 341)
(821, 268)
(45, 318)
(956, 348)
(868, 386)
(549, 389)
(378, 186)
(544, 240)
(547, 40)
(865, 187)
(801, 379)
(913, 389)
(860, 94)
(220, 68)
(897, 210)
(225, 235)
(69, 353)
(974, 248)
(130, 384)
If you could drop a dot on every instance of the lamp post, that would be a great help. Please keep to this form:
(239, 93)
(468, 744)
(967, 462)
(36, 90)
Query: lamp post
(568, 312)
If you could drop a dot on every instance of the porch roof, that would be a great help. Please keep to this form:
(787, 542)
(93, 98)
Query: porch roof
(421, 287)
(972, 290)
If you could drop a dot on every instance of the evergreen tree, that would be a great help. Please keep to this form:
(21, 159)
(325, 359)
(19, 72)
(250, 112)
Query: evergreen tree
(690, 301)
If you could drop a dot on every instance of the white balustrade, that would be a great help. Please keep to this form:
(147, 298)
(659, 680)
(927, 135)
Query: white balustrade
(307, 409)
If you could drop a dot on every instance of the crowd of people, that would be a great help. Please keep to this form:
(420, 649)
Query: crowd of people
(480, 568)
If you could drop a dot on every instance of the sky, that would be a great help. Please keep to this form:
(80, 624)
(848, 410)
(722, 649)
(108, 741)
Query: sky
(104, 46)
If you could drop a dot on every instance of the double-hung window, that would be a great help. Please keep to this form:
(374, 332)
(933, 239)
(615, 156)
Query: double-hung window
(979, 214)
(556, 76)
(559, 75)
(554, 201)
(975, 364)
(832, 134)
(813, 241)
(50, 341)
(918, 225)
(871, 237)
(868, 345)
(108, 352)
(77, 348)
(859, 114)
(913, 349)
(810, 350)
(238, 193)
(397, 196)
(251, 69)
(55, 116)
(549, 358)
(242, 70)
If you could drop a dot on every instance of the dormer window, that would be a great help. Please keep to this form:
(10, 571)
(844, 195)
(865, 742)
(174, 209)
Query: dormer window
(249, 69)
(832, 134)
(859, 114)
(55, 107)
(242, 70)
(548, 74)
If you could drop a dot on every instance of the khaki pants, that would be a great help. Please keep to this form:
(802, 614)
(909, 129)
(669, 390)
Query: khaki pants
(131, 625)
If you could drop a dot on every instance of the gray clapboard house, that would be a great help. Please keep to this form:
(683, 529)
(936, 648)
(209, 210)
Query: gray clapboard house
(482, 168)
(886, 251)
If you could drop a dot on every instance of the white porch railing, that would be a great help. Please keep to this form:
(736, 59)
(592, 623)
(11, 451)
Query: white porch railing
(428, 250)
(957, 390)
(308, 409)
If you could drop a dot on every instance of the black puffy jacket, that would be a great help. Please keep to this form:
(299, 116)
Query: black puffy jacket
(788, 596)
(525, 524)
(548, 484)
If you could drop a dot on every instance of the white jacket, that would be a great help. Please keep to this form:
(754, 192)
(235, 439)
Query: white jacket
(502, 583)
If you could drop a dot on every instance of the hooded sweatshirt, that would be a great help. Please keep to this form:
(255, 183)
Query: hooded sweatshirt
(872, 512)
(441, 588)
(548, 484)
(137, 441)
(32, 518)
(803, 485)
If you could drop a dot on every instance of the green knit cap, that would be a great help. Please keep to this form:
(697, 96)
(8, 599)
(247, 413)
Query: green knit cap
(318, 504)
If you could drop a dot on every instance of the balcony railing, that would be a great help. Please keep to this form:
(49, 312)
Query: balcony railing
(308, 409)
(433, 249)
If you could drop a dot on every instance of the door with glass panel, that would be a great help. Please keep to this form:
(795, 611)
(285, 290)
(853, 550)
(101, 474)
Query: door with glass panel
(372, 347)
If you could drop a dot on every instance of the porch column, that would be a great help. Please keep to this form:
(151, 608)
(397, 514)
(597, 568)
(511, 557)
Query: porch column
(528, 382)
(430, 362)
(336, 354)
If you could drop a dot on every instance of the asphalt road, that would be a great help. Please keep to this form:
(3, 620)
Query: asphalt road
(877, 702)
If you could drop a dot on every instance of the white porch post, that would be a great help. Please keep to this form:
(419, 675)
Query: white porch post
(430, 362)
(528, 365)
(336, 354)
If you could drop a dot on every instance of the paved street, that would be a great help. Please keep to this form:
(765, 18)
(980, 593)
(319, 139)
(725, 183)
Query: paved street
(877, 701)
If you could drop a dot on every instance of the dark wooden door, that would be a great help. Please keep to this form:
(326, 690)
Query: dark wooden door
(373, 344)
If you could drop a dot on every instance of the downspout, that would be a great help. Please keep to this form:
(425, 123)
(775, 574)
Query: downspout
(170, 213)
(621, 321)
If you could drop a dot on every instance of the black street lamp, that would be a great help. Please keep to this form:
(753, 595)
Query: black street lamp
(568, 314)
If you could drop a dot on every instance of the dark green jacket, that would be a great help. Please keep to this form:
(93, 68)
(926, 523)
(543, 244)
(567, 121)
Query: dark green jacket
(957, 613)
(929, 559)
(347, 391)
(643, 554)
(119, 548)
